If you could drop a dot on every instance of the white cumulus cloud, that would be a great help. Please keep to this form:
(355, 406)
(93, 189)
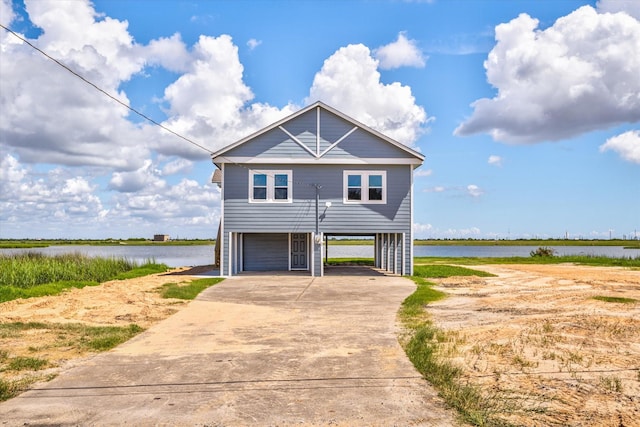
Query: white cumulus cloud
(176, 166)
(474, 191)
(31, 199)
(423, 172)
(435, 189)
(495, 160)
(632, 7)
(350, 81)
(576, 76)
(627, 145)
(253, 43)
(6, 12)
(147, 177)
(401, 53)
(421, 229)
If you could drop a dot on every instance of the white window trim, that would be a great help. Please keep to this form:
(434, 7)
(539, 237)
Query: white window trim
(365, 187)
(271, 185)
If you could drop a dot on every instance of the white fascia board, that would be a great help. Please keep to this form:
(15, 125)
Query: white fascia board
(320, 161)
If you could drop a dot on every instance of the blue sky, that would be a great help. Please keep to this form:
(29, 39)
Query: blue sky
(527, 111)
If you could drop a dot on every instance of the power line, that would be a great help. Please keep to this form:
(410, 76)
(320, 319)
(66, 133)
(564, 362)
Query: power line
(144, 116)
(98, 88)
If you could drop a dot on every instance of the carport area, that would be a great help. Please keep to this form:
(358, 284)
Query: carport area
(390, 251)
(253, 350)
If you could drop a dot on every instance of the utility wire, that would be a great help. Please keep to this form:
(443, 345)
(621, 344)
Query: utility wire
(144, 116)
(90, 83)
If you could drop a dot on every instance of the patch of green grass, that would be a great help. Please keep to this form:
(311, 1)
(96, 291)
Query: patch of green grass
(28, 243)
(25, 364)
(527, 242)
(97, 338)
(413, 306)
(350, 261)
(438, 271)
(425, 349)
(22, 326)
(103, 338)
(188, 291)
(10, 293)
(146, 269)
(12, 388)
(621, 300)
(602, 261)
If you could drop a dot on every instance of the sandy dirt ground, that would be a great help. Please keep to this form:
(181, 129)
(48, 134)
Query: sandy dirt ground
(535, 339)
(115, 303)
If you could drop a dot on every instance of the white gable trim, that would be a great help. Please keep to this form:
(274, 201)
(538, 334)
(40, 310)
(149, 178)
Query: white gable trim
(318, 131)
(297, 141)
(219, 154)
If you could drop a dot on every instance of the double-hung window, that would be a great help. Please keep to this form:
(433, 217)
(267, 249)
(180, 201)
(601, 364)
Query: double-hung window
(270, 186)
(365, 186)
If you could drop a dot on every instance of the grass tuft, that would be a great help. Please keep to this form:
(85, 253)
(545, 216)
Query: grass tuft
(621, 300)
(189, 290)
(12, 388)
(103, 338)
(26, 364)
(439, 271)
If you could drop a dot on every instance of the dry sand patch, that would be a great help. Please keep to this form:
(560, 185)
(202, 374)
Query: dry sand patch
(535, 338)
(114, 303)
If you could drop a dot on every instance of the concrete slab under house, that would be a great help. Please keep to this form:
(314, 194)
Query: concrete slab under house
(317, 173)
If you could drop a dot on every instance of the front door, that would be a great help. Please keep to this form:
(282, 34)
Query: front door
(299, 251)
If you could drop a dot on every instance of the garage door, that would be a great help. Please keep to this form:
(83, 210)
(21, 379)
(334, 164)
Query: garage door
(265, 252)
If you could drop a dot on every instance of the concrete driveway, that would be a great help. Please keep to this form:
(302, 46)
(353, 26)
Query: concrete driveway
(270, 350)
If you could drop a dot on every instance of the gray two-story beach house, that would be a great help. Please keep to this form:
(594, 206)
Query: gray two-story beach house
(310, 176)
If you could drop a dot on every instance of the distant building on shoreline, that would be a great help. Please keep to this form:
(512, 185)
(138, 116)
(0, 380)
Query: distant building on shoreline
(160, 237)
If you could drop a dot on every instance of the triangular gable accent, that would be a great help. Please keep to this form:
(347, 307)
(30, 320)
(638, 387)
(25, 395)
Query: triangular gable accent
(280, 124)
(297, 141)
(342, 138)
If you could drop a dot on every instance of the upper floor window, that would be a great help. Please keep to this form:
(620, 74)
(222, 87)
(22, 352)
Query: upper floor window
(269, 186)
(365, 187)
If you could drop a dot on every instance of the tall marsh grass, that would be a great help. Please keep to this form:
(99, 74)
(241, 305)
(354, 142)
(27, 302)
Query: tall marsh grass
(33, 274)
(30, 269)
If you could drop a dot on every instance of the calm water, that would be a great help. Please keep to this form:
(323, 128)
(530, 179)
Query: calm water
(178, 256)
(173, 256)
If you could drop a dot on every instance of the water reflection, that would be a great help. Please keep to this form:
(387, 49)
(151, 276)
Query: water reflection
(184, 256)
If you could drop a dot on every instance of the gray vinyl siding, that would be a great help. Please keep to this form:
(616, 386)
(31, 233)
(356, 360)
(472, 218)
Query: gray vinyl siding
(299, 216)
(224, 254)
(265, 252)
(332, 129)
(272, 144)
